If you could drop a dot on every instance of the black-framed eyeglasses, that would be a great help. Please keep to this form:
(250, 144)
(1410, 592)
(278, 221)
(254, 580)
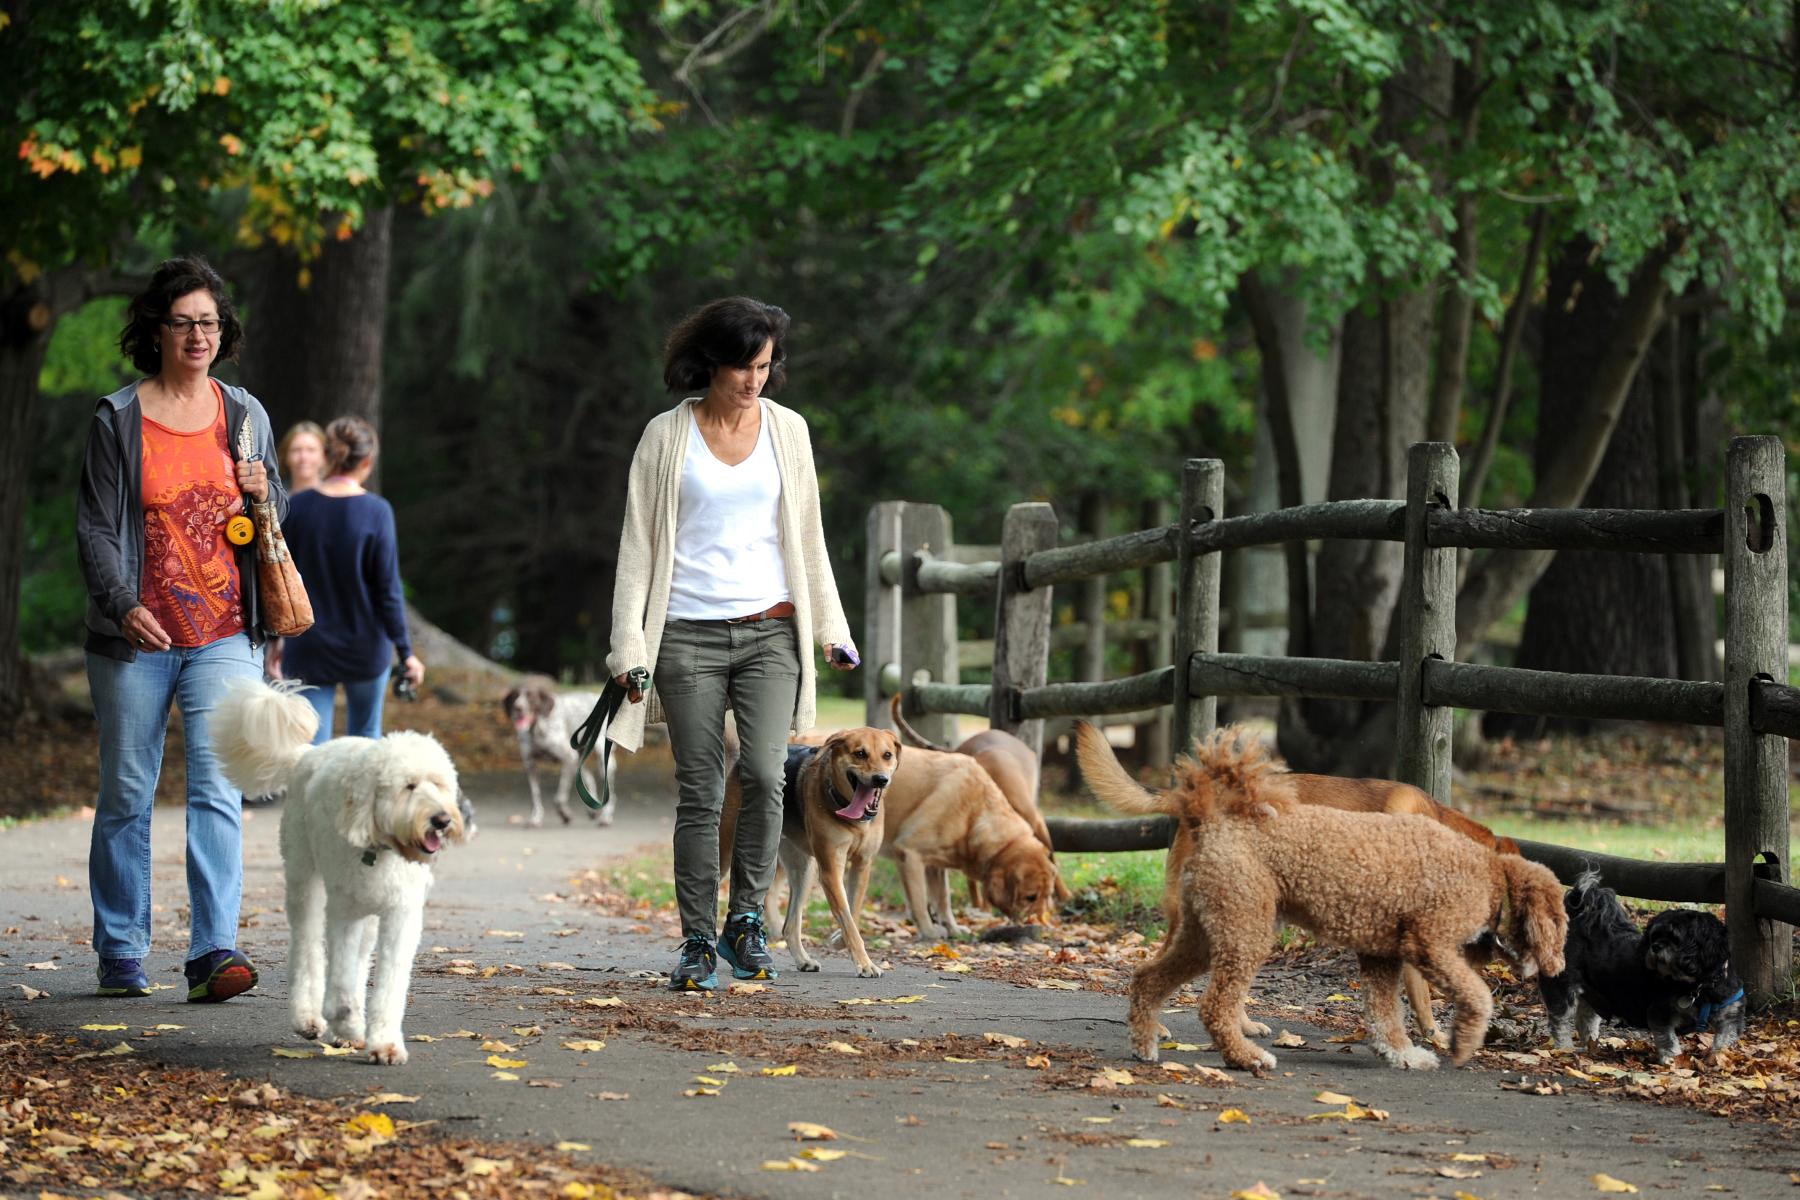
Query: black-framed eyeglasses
(179, 326)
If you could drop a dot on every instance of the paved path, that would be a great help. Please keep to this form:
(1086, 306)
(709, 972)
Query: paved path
(920, 1124)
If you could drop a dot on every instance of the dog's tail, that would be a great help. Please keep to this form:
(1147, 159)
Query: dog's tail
(260, 732)
(1231, 772)
(1540, 924)
(1111, 782)
(908, 734)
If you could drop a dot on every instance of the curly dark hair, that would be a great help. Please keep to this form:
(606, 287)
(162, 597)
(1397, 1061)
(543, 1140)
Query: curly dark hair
(141, 338)
(725, 333)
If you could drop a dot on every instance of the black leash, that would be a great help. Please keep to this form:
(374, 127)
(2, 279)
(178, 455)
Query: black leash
(594, 729)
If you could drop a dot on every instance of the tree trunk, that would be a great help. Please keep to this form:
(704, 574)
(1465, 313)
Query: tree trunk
(1680, 453)
(1592, 612)
(27, 319)
(313, 330)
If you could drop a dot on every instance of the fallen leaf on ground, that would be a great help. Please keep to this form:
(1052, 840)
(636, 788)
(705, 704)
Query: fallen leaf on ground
(1037, 1062)
(503, 933)
(1116, 1075)
(1333, 1098)
(573, 1146)
(542, 1083)
(1606, 1183)
(821, 1154)
(497, 1045)
(1288, 1040)
(1060, 985)
(338, 1051)
(1006, 1039)
(583, 1044)
(103, 1028)
(529, 1030)
(371, 1124)
(392, 1098)
(284, 1052)
(604, 1002)
(701, 1091)
(789, 1069)
(724, 1068)
(557, 966)
(1459, 1173)
(1257, 1191)
(854, 1000)
(504, 1076)
(1233, 1116)
(709, 1081)
(464, 1033)
(552, 991)
(614, 1095)
(477, 1165)
(506, 1064)
(1468, 1158)
(1145, 1143)
(745, 989)
(1181, 1047)
(1167, 1101)
(955, 1059)
(113, 1052)
(806, 1131)
(1097, 1120)
(43, 966)
(421, 1037)
(842, 1047)
(788, 1164)
(31, 993)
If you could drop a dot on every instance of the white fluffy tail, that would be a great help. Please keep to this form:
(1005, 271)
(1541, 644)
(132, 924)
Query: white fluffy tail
(259, 732)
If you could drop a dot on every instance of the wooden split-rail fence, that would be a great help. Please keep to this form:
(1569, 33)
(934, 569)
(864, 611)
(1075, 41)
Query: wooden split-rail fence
(915, 574)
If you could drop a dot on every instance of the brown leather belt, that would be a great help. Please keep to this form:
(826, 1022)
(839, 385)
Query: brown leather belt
(774, 611)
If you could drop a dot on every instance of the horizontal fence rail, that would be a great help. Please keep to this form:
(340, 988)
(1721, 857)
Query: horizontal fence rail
(1322, 678)
(1373, 520)
(1555, 694)
(1775, 708)
(1628, 530)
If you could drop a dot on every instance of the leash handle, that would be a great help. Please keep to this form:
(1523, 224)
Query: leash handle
(593, 730)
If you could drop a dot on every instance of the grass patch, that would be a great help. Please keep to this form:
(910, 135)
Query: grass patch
(1683, 840)
(647, 878)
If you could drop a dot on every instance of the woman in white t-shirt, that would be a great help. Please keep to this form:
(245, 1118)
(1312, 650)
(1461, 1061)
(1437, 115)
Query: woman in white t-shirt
(723, 585)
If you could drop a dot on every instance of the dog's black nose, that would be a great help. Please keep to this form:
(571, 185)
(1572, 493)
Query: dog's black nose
(879, 781)
(440, 822)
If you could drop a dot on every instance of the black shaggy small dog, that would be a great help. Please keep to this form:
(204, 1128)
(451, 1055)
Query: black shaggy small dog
(1672, 977)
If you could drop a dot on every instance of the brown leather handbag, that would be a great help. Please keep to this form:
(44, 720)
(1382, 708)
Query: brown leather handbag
(286, 609)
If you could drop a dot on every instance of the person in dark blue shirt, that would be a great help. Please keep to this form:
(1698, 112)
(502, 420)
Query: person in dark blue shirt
(343, 542)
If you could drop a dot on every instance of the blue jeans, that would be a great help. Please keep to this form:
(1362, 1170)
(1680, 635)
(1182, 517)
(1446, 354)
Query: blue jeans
(362, 704)
(131, 702)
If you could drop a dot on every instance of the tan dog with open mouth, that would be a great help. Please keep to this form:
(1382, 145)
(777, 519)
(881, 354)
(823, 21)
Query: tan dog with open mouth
(831, 815)
(1392, 888)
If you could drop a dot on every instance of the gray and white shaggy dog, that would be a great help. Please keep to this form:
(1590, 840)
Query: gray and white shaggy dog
(363, 821)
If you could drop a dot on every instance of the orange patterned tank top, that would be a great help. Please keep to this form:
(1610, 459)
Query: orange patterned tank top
(191, 581)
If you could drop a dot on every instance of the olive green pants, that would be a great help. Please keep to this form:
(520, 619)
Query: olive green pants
(701, 668)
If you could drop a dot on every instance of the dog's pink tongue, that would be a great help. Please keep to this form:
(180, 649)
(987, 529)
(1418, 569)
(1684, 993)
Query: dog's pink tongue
(860, 800)
(431, 841)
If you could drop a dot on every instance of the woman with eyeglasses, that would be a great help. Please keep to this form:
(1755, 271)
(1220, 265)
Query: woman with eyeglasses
(172, 617)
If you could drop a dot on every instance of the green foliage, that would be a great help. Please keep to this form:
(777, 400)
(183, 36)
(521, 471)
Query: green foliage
(310, 110)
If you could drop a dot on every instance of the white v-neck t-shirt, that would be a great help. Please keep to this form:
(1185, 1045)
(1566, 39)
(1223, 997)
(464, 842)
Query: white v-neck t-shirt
(728, 559)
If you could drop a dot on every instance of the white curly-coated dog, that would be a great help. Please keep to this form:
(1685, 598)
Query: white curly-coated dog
(363, 820)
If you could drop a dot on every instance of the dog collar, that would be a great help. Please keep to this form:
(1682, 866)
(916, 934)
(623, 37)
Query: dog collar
(368, 856)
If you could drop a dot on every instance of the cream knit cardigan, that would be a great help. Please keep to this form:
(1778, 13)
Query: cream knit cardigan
(647, 558)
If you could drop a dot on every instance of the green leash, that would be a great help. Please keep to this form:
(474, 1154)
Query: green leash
(594, 729)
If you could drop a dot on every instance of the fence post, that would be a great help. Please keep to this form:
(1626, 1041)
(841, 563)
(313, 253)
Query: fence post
(1196, 597)
(1159, 589)
(927, 620)
(1427, 622)
(881, 675)
(1756, 794)
(1021, 622)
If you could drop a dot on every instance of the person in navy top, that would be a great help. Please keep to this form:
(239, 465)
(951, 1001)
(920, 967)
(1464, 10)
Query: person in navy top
(343, 542)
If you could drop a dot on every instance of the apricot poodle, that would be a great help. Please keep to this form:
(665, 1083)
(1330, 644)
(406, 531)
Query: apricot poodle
(1392, 888)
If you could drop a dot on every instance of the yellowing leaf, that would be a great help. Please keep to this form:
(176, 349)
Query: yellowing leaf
(284, 1052)
(506, 1064)
(1059, 985)
(1333, 1098)
(476, 1165)
(1258, 1191)
(167, 1028)
(1606, 1183)
(953, 1058)
(1037, 1062)
(103, 1028)
(573, 1146)
(787, 1164)
(529, 1030)
(504, 1076)
(1288, 1040)
(709, 1081)
(821, 1154)
(583, 1044)
(1233, 1116)
(842, 1047)
(1006, 1039)
(338, 1051)
(1183, 1047)
(421, 1037)
(701, 1091)
(371, 1124)
(779, 1071)
(1338, 996)
(497, 1045)
(111, 1052)
(31, 993)
(392, 1098)
(1468, 1158)
(724, 1068)
(465, 1033)
(1145, 1143)
(603, 1002)
(504, 933)
(806, 1131)
(745, 989)
(1116, 1075)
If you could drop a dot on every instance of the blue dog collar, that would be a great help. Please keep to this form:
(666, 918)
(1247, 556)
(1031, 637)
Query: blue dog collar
(1703, 1014)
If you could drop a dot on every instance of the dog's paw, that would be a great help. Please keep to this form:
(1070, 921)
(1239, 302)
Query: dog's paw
(310, 1028)
(806, 964)
(534, 821)
(568, 818)
(388, 1054)
(347, 1033)
(1413, 1058)
(1147, 1053)
(1257, 1060)
(1256, 1028)
(868, 971)
(604, 814)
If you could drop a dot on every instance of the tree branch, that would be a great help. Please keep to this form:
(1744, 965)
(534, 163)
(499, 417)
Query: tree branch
(1511, 335)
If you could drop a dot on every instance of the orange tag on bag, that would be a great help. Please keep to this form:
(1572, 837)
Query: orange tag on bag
(240, 530)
